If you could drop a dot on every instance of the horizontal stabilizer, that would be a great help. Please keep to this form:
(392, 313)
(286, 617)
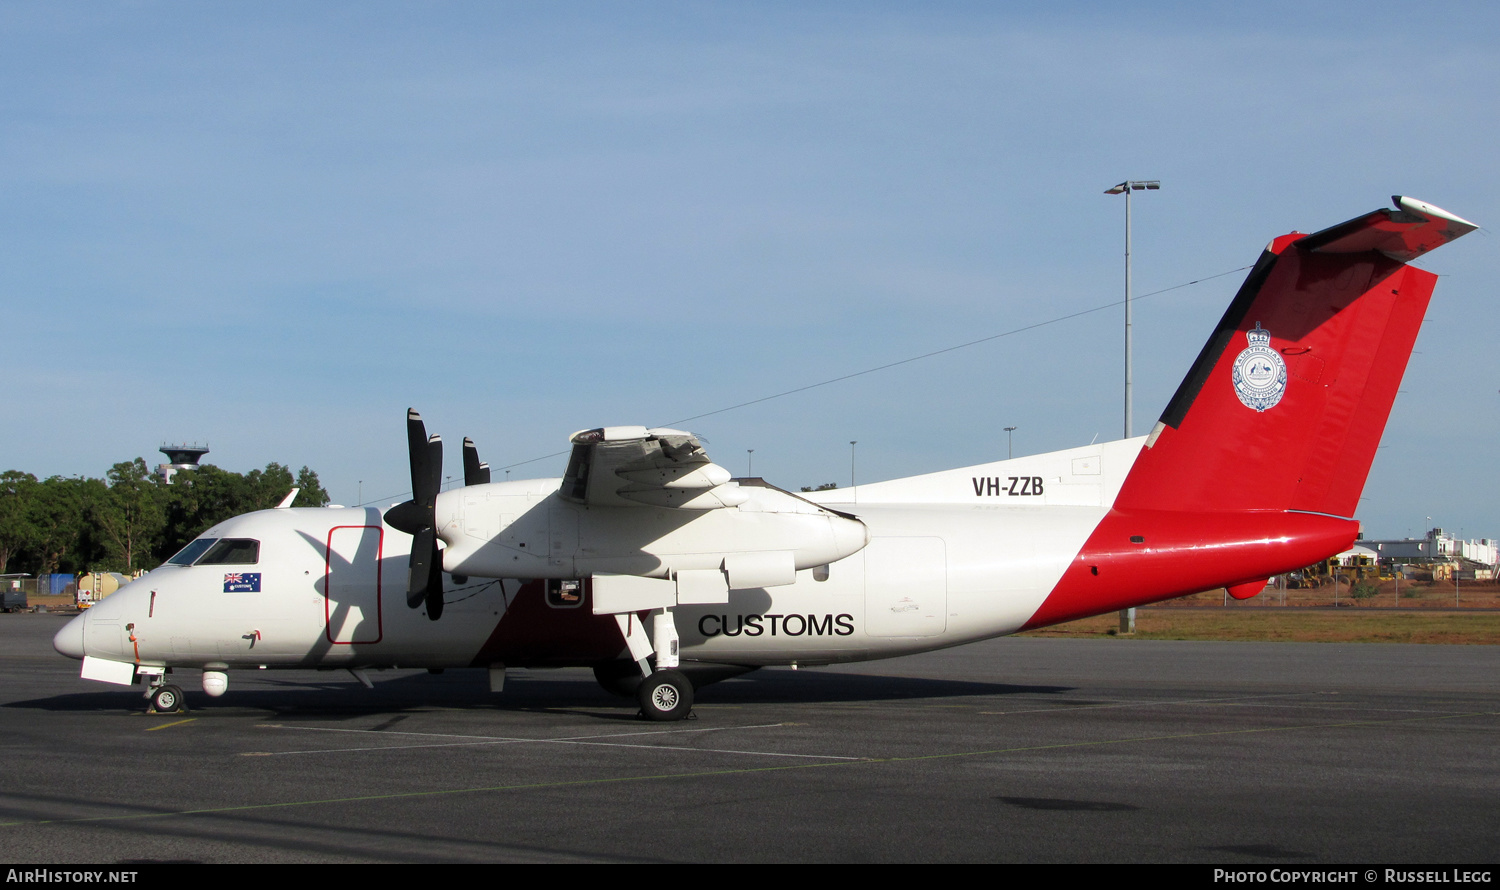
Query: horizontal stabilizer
(1403, 234)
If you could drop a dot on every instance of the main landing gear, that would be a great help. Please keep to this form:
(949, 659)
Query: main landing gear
(620, 678)
(663, 692)
(623, 678)
(665, 695)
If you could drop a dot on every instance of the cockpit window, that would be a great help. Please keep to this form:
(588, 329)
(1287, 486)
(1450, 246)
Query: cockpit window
(232, 552)
(187, 555)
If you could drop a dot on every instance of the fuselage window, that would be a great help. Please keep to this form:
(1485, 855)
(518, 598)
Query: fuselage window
(232, 552)
(187, 555)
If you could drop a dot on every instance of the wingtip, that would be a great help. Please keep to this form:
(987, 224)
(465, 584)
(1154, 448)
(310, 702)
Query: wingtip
(1432, 212)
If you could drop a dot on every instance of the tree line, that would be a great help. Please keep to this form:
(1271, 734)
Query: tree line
(130, 519)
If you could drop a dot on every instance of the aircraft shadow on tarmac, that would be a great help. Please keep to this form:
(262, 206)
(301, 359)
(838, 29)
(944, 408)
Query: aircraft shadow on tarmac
(563, 690)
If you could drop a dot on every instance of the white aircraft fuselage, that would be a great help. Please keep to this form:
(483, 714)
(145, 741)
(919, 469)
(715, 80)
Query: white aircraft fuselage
(647, 555)
(956, 568)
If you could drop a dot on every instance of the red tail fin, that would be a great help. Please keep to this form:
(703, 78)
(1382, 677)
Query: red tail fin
(1278, 420)
(1285, 406)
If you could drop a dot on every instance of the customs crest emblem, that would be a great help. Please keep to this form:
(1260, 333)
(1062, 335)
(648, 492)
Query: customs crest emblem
(1259, 372)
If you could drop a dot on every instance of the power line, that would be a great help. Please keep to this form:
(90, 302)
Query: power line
(889, 365)
(947, 349)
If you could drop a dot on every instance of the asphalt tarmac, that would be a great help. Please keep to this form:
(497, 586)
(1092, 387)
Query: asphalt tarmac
(1015, 750)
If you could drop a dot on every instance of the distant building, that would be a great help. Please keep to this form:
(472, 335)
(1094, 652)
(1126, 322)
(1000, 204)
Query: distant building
(1438, 546)
(180, 458)
(1441, 553)
(1359, 554)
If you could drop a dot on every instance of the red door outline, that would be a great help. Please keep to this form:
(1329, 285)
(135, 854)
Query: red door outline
(379, 578)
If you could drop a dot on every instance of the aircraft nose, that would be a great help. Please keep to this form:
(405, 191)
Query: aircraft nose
(69, 640)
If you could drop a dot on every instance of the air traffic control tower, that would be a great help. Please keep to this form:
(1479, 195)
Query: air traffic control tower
(179, 457)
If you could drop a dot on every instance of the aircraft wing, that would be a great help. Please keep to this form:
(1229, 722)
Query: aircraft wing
(632, 466)
(1403, 234)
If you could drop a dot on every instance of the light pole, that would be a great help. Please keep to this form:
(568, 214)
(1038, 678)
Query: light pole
(852, 443)
(1008, 431)
(749, 463)
(1127, 616)
(1125, 188)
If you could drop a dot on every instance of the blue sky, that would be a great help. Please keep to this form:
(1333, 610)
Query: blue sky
(274, 227)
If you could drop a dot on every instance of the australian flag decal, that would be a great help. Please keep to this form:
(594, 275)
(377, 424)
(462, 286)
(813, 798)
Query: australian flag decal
(242, 582)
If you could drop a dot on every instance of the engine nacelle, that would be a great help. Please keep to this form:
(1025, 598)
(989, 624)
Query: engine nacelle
(513, 530)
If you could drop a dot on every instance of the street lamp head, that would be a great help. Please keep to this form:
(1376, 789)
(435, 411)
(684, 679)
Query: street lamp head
(1134, 185)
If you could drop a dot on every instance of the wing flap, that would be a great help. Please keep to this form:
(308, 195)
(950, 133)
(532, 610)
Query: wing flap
(635, 466)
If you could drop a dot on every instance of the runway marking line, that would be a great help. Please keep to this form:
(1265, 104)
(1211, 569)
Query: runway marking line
(1147, 704)
(595, 740)
(703, 774)
(1326, 705)
(889, 705)
(173, 723)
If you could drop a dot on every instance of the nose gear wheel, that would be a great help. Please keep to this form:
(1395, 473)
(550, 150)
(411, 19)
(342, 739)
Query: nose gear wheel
(168, 700)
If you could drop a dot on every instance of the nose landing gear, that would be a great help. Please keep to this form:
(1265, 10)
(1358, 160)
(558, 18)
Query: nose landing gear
(164, 697)
(168, 700)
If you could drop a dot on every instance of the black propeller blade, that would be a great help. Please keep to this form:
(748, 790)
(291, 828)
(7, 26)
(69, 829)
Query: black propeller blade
(418, 517)
(475, 471)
